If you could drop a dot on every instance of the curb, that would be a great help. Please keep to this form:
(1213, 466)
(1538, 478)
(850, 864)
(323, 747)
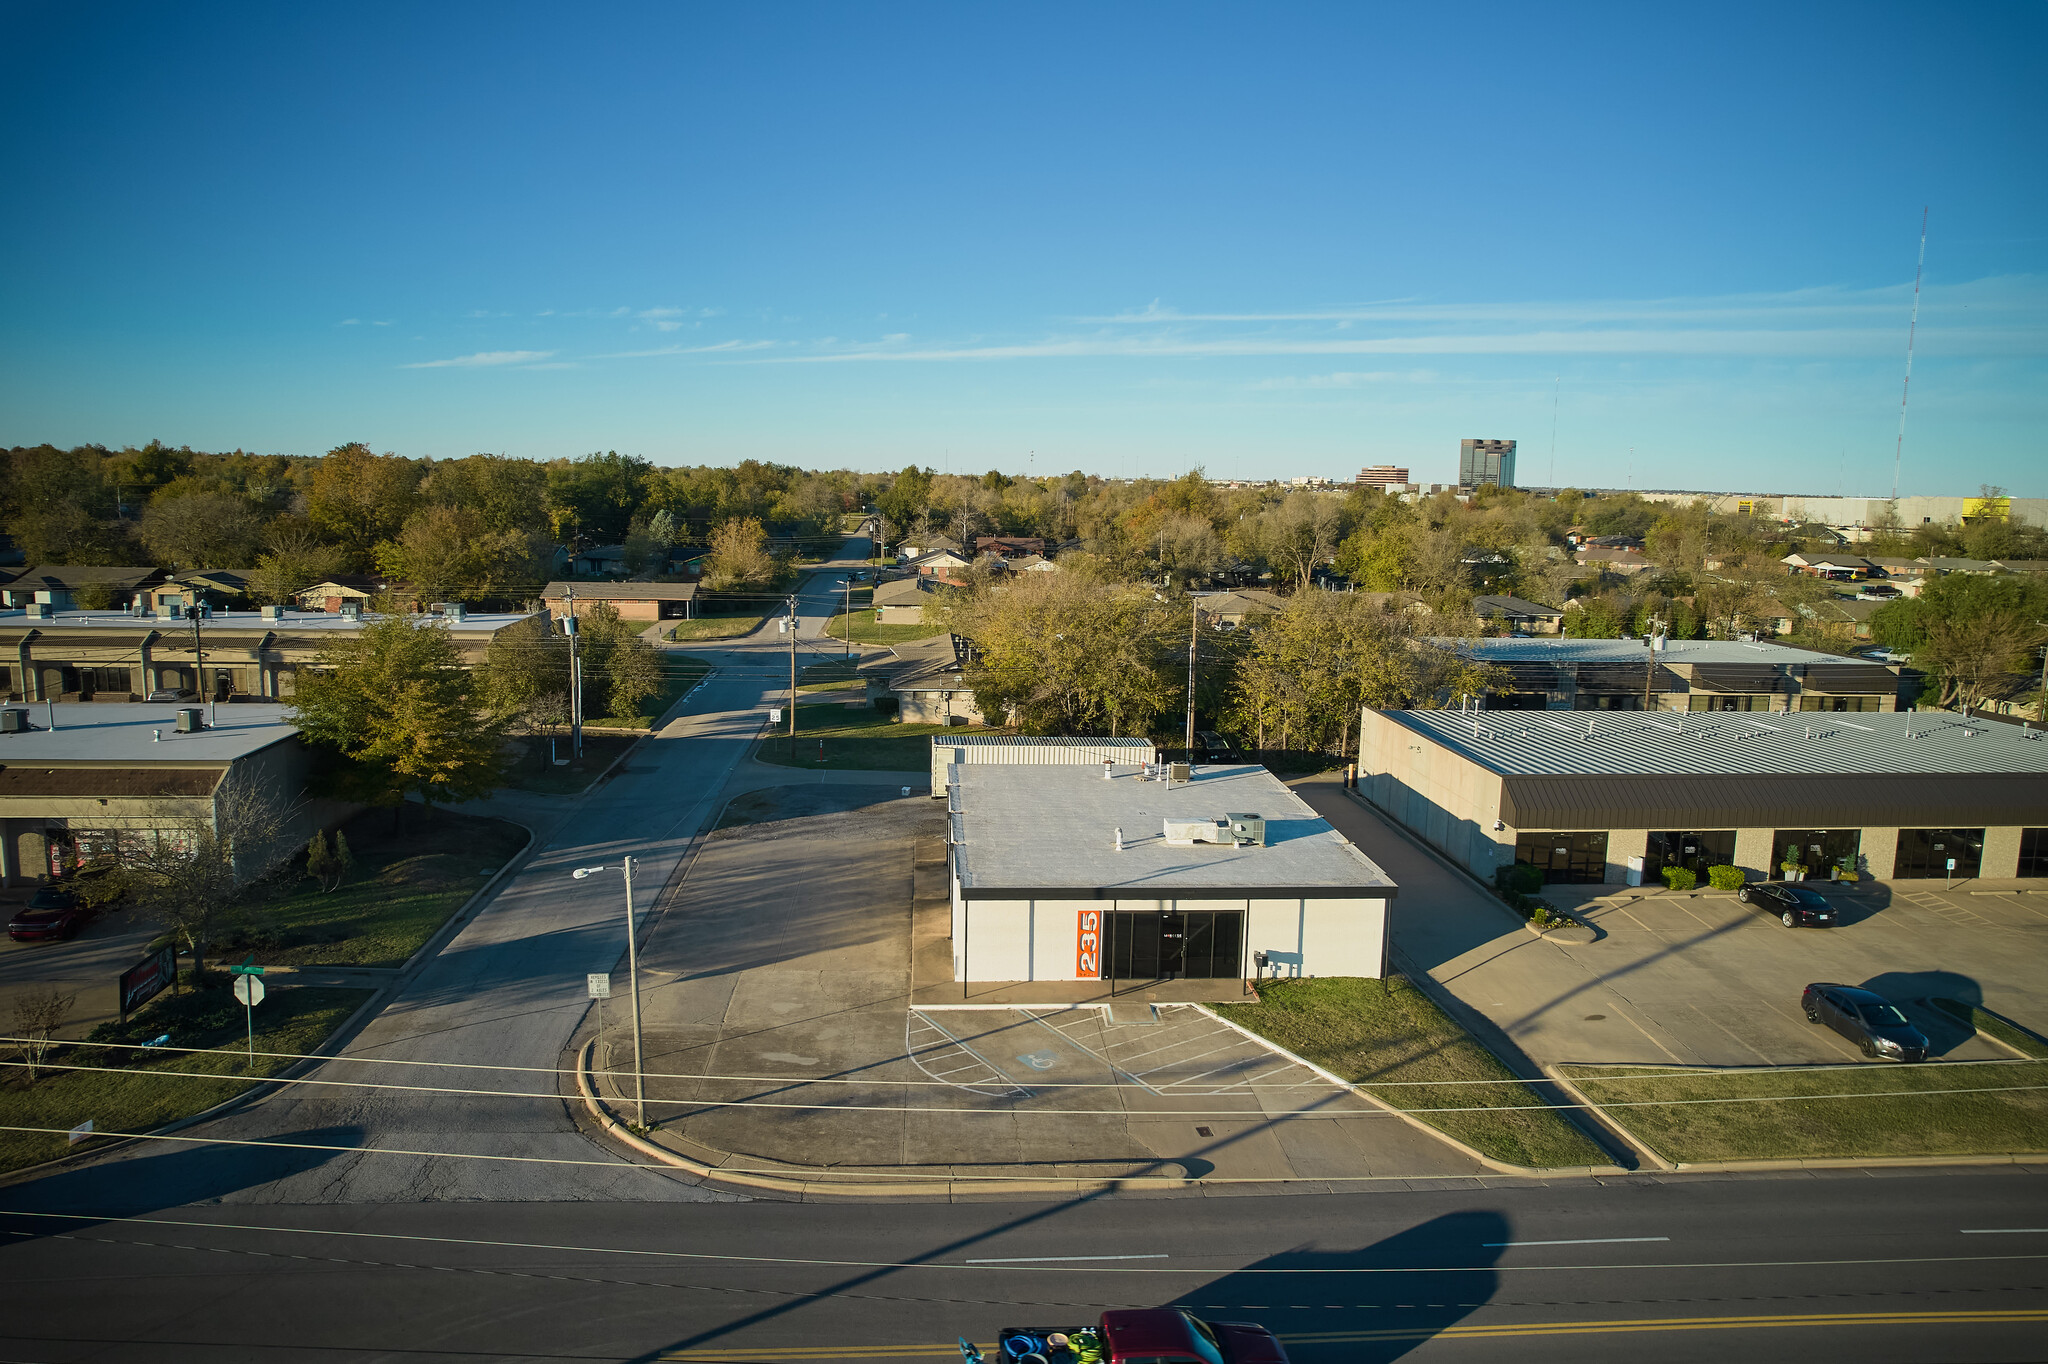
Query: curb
(815, 1190)
(343, 1033)
(1591, 1109)
(1497, 1166)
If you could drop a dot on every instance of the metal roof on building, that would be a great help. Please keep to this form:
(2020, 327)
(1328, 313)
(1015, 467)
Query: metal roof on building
(1554, 650)
(1032, 832)
(1721, 743)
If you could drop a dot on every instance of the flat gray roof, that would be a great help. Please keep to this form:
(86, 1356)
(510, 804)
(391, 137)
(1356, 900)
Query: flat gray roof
(1554, 650)
(247, 620)
(1616, 743)
(121, 734)
(1049, 833)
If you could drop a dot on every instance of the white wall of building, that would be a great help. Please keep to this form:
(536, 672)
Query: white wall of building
(1041, 939)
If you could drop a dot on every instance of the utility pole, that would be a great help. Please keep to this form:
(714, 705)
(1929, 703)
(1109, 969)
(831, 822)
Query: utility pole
(792, 676)
(1194, 646)
(575, 675)
(199, 666)
(848, 617)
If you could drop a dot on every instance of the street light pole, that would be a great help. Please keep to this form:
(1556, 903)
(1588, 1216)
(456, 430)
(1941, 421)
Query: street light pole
(633, 981)
(1194, 619)
(633, 987)
(792, 676)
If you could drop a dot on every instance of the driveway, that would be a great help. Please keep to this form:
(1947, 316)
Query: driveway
(781, 1036)
(1698, 979)
(89, 966)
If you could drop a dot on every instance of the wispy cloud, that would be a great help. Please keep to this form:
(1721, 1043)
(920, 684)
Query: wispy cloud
(1350, 379)
(713, 349)
(350, 322)
(485, 359)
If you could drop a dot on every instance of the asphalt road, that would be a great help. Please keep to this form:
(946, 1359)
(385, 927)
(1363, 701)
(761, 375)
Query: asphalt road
(494, 1009)
(1913, 1267)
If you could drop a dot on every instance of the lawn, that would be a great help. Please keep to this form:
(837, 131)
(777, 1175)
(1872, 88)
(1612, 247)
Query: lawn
(403, 887)
(124, 1092)
(679, 673)
(1994, 1025)
(719, 627)
(1888, 1110)
(867, 631)
(535, 771)
(862, 739)
(1392, 1044)
(838, 675)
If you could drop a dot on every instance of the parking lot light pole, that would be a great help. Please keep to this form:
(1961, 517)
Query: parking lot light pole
(633, 986)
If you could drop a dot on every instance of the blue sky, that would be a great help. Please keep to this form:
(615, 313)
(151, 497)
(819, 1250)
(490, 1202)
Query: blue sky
(1130, 239)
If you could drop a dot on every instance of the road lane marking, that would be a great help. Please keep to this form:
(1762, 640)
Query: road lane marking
(2005, 1231)
(1589, 1241)
(1058, 1259)
(767, 1355)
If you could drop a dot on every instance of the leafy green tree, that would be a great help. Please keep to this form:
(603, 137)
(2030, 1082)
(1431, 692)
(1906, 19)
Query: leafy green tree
(1058, 654)
(359, 498)
(199, 875)
(907, 497)
(620, 669)
(1311, 669)
(740, 561)
(594, 498)
(395, 704)
(505, 494)
(450, 554)
(204, 530)
(295, 561)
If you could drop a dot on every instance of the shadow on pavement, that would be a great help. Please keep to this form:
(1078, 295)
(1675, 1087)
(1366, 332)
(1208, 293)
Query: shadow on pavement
(1908, 989)
(170, 1178)
(1325, 1310)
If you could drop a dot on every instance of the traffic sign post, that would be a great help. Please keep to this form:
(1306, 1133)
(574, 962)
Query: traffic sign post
(600, 983)
(249, 990)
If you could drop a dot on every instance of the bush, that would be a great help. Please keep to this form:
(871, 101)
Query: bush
(1725, 878)
(1680, 878)
(1517, 878)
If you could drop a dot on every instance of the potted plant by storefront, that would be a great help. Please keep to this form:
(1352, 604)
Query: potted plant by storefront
(1791, 866)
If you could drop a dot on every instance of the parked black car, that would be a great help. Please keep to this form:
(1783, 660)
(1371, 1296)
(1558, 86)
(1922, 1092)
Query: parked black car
(1211, 747)
(1869, 1020)
(49, 913)
(1795, 906)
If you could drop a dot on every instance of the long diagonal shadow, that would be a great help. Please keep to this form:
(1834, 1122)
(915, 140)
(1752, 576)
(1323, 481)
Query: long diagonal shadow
(869, 1277)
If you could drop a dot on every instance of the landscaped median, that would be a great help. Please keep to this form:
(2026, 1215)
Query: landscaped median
(1838, 1112)
(120, 1086)
(1392, 1042)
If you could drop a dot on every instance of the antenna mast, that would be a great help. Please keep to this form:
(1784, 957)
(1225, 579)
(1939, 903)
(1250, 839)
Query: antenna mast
(1905, 389)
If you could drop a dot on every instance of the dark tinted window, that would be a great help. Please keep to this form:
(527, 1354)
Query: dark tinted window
(2033, 852)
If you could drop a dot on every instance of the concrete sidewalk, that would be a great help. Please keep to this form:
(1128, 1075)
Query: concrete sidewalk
(782, 1036)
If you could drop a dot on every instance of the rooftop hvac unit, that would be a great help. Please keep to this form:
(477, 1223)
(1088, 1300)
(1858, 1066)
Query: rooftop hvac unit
(1248, 830)
(14, 722)
(41, 610)
(191, 719)
(1180, 772)
(351, 611)
(1183, 833)
(452, 610)
(272, 613)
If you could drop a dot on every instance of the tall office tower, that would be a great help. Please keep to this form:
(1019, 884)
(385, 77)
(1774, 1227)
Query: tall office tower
(1486, 461)
(1386, 477)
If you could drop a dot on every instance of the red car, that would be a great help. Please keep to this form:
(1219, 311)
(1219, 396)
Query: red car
(49, 913)
(1151, 1335)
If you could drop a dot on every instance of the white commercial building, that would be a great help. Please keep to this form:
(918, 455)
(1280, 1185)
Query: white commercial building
(1062, 874)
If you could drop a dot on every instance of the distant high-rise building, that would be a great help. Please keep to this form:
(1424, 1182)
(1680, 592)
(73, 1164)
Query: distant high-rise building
(1386, 477)
(1486, 461)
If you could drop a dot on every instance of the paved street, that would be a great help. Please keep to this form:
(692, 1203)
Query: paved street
(1911, 1267)
(494, 1009)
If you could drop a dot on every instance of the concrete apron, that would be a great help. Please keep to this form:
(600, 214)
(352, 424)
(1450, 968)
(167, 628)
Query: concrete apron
(783, 1042)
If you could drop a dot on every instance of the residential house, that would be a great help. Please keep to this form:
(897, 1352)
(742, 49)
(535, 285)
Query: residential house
(1009, 546)
(1607, 559)
(946, 565)
(1530, 617)
(1233, 610)
(1031, 563)
(357, 590)
(918, 545)
(902, 601)
(1835, 567)
(219, 588)
(633, 601)
(923, 678)
(60, 586)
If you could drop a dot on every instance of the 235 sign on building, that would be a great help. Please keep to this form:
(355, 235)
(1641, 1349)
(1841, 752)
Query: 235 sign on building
(1088, 945)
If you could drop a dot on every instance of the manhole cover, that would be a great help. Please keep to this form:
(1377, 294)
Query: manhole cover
(1596, 1018)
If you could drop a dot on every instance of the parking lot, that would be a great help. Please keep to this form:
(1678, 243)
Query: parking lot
(1698, 978)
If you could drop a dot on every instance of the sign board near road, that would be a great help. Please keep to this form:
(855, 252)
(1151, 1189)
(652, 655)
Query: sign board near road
(146, 980)
(81, 1132)
(600, 985)
(249, 990)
